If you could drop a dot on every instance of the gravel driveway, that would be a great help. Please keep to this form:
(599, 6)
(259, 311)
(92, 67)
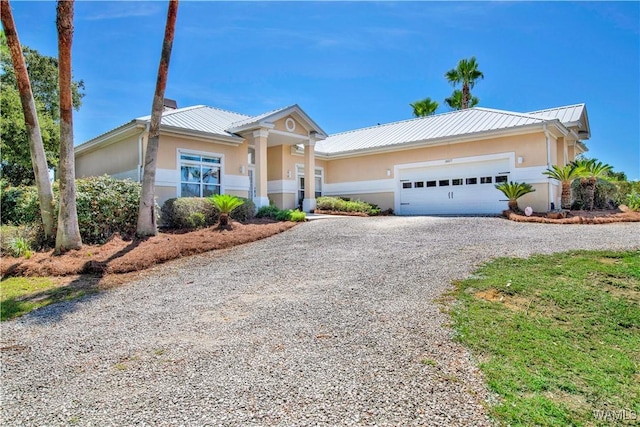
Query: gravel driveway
(326, 324)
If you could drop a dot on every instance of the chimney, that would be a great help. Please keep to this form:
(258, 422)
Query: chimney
(170, 104)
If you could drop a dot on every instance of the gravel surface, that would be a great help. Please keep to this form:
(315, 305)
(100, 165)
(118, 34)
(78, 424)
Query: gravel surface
(331, 323)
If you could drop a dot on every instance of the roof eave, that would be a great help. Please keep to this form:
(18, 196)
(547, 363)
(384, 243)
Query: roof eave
(111, 137)
(191, 133)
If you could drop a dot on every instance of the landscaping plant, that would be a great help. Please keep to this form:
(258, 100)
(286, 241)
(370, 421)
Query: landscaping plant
(225, 203)
(566, 175)
(513, 191)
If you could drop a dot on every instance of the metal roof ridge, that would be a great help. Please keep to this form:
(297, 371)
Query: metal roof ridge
(510, 113)
(265, 114)
(413, 119)
(581, 104)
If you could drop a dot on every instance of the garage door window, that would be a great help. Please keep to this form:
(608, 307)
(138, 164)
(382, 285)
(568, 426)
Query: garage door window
(431, 183)
(406, 185)
(419, 184)
(472, 181)
(443, 182)
(456, 181)
(501, 178)
(486, 180)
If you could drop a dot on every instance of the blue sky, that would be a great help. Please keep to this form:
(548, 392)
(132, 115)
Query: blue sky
(356, 64)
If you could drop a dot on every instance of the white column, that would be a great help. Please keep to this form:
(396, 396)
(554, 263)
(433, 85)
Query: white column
(260, 142)
(309, 201)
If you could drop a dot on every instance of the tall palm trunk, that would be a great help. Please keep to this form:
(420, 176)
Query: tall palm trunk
(465, 96)
(34, 137)
(68, 236)
(147, 215)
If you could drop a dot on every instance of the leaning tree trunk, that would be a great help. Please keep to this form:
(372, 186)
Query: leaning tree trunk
(34, 137)
(565, 198)
(68, 235)
(147, 214)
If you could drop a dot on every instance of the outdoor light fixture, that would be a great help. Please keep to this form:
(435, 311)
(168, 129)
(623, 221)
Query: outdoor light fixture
(242, 169)
(520, 160)
(388, 172)
(288, 174)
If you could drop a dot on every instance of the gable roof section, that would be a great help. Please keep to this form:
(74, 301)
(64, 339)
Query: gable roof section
(199, 118)
(427, 129)
(570, 116)
(267, 119)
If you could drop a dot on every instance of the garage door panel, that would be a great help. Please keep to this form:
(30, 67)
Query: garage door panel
(467, 188)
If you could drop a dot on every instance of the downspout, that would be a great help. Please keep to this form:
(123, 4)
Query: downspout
(549, 186)
(140, 139)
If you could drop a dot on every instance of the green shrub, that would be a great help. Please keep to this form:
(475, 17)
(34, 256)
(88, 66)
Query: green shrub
(20, 205)
(196, 220)
(633, 201)
(605, 195)
(270, 211)
(105, 206)
(284, 215)
(175, 213)
(339, 204)
(19, 246)
(624, 188)
(12, 237)
(297, 216)
(245, 212)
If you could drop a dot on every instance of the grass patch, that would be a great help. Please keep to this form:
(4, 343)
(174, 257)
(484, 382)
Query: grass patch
(557, 336)
(20, 295)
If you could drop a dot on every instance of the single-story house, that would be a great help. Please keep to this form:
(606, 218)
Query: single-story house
(441, 164)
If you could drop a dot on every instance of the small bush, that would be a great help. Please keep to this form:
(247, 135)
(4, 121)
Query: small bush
(175, 213)
(196, 220)
(19, 246)
(297, 216)
(284, 215)
(20, 205)
(245, 212)
(633, 201)
(270, 211)
(8, 233)
(339, 204)
(106, 206)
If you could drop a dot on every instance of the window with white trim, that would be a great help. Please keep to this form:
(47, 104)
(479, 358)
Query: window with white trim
(199, 175)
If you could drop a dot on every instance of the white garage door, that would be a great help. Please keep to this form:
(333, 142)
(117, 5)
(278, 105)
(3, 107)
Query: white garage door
(467, 188)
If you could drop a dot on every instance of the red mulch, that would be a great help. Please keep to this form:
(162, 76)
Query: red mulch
(577, 217)
(121, 256)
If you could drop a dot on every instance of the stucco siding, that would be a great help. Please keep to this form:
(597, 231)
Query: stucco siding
(118, 158)
(234, 156)
(281, 125)
(532, 148)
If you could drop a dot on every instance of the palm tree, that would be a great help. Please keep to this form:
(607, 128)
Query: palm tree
(68, 235)
(590, 171)
(466, 73)
(34, 136)
(513, 191)
(225, 203)
(425, 107)
(147, 211)
(566, 175)
(455, 100)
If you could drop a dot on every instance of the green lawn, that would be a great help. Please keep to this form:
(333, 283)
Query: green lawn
(20, 295)
(557, 336)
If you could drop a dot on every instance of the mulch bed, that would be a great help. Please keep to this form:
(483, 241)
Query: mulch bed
(122, 256)
(577, 217)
